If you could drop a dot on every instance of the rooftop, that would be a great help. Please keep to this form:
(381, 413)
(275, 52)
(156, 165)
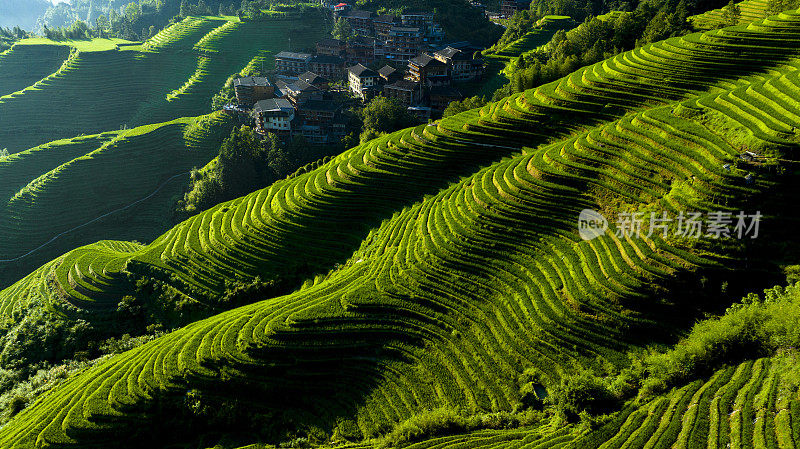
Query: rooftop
(312, 78)
(453, 53)
(251, 81)
(359, 14)
(464, 46)
(360, 70)
(405, 29)
(273, 105)
(320, 105)
(425, 60)
(420, 13)
(328, 42)
(362, 41)
(403, 85)
(387, 70)
(327, 59)
(292, 55)
(385, 18)
(300, 86)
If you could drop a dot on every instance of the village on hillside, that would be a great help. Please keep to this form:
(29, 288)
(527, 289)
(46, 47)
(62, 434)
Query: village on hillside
(402, 57)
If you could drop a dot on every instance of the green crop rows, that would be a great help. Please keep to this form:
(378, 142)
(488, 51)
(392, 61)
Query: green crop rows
(114, 91)
(18, 71)
(65, 185)
(93, 90)
(453, 262)
(750, 10)
(740, 406)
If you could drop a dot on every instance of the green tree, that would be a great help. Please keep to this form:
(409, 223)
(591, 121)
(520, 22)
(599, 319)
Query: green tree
(342, 30)
(464, 105)
(238, 159)
(246, 162)
(102, 26)
(731, 14)
(383, 115)
(778, 6)
(133, 12)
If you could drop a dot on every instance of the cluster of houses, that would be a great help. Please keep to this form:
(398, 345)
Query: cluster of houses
(507, 8)
(305, 94)
(427, 84)
(302, 106)
(396, 38)
(510, 7)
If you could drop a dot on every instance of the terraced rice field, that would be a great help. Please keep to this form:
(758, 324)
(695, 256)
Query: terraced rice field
(746, 405)
(530, 41)
(77, 189)
(499, 60)
(453, 263)
(463, 265)
(27, 64)
(61, 93)
(111, 93)
(750, 10)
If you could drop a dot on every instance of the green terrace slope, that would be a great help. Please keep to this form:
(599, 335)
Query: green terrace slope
(24, 65)
(258, 235)
(117, 184)
(499, 59)
(105, 87)
(462, 266)
(753, 404)
(750, 10)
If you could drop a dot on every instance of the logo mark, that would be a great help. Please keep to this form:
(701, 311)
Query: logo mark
(591, 224)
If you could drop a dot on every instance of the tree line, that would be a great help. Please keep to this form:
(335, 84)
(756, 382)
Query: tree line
(597, 39)
(140, 20)
(10, 35)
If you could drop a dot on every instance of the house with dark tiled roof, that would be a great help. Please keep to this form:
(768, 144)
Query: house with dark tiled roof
(402, 43)
(274, 115)
(462, 65)
(363, 81)
(331, 67)
(364, 50)
(331, 47)
(300, 92)
(390, 74)
(315, 80)
(383, 23)
(360, 21)
(428, 70)
(251, 89)
(319, 112)
(407, 92)
(289, 63)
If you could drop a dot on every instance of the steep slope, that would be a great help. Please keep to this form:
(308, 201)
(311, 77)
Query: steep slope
(751, 404)
(256, 235)
(66, 193)
(24, 65)
(464, 267)
(57, 90)
(740, 406)
(750, 10)
(174, 74)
